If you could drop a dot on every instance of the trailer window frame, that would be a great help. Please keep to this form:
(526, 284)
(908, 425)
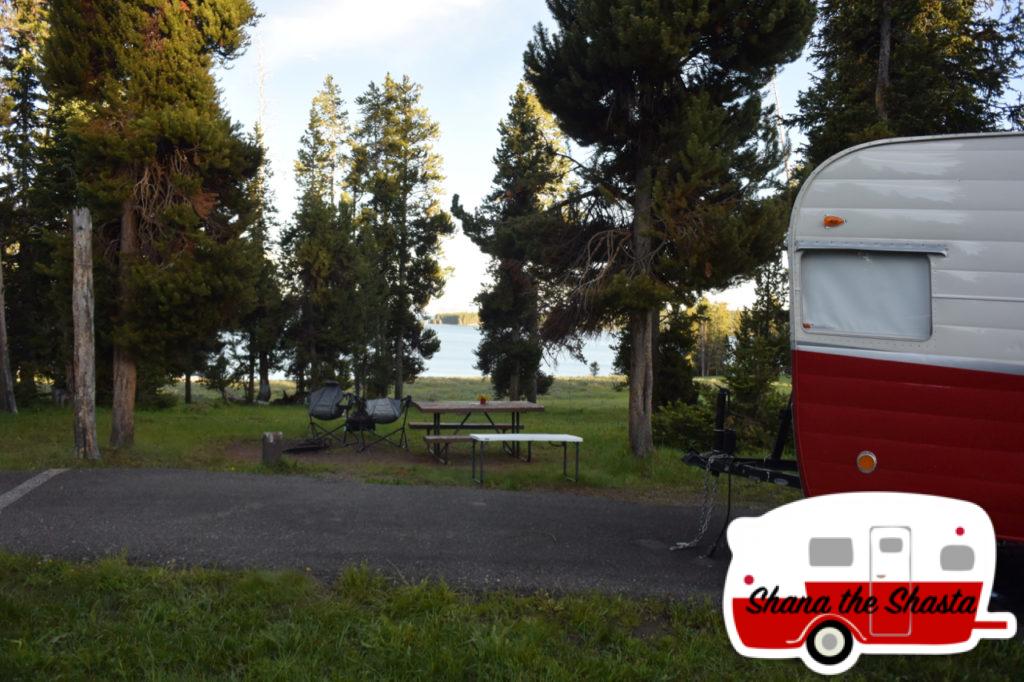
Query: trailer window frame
(921, 257)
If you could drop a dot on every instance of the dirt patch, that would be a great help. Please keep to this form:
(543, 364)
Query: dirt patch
(384, 463)
(350, 459)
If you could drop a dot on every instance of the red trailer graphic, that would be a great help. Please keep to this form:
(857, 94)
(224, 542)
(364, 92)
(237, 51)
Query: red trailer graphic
(828, 578)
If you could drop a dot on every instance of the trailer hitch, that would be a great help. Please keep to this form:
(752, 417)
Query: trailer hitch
(722, 459)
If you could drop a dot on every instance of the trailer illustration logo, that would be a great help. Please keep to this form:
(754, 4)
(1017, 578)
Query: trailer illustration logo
(828, 578)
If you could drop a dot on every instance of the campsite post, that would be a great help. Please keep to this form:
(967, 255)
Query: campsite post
(273, 444)
(82, 305)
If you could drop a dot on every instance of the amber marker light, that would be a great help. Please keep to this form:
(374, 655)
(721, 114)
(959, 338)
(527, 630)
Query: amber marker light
(833, 221)
(867, 462)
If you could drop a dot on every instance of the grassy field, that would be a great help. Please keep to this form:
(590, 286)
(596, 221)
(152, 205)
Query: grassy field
(113, 621)
(213, 435)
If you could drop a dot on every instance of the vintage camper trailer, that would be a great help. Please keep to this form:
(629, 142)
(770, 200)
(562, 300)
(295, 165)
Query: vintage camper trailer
(828, 578)
(907, 266)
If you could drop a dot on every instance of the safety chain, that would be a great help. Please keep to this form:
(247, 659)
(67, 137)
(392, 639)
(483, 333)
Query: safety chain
(707, 506)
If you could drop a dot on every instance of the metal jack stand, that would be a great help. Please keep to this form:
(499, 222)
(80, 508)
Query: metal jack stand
(728, 517)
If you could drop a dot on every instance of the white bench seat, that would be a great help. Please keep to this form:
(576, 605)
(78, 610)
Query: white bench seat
(562, 439)
(525, 438)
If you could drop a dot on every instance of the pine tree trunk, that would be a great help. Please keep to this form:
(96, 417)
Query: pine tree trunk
(311, 374)
(641, 383)
(122, 429)
(188, 388)
(403, 255)
(8, 403)
(399, 367)
(655, 357)
(122, 432)
(400, 337)
(514, 383)
(306, 368)
(884, 61)
(703, 349)
(360, 375)
(27, 380)
(264, 394)
(530, 389)
(641, 322)
(82, 306)
(250, 387)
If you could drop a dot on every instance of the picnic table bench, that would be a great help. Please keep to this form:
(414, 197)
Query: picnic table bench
(529, 438)
(485, 413)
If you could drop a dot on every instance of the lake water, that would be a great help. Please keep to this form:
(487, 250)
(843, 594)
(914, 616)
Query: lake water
(456, 357)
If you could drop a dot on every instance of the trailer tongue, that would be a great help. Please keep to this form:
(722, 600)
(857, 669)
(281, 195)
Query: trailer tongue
(722, 459)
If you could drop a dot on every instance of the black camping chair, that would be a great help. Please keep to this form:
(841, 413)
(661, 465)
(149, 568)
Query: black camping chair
(368, 414)
(327, 404)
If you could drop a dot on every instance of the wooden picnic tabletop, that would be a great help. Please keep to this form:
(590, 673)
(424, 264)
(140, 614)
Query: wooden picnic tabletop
(474, 406)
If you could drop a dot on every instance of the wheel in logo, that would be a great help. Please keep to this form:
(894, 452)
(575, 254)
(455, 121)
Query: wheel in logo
(830, 643)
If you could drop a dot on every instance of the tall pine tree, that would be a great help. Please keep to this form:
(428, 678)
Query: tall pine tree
(761, 350)
(668, 94)
(26, 334)
(531, 175)
(320, 250)
(263, 326)
(914, 67)
(162, 166)
(396, 180)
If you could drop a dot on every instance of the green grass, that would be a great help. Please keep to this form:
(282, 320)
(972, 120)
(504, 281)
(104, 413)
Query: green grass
(113, 621)
(203, 435)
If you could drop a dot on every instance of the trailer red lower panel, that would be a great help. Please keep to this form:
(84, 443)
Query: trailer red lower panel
(934, 430)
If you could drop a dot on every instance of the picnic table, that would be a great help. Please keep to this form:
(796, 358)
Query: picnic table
(467, 409)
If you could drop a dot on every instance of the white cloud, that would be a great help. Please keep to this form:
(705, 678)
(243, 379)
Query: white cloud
(306, 30)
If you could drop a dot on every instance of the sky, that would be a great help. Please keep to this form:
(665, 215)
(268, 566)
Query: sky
(467, 55)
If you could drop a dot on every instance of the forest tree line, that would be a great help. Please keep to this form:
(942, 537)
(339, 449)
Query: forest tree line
(195, 273)
(641, 164)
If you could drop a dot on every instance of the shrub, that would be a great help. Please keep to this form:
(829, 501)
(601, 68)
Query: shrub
(685, 426)
(158, 400)
(755, 433)
(544, 382)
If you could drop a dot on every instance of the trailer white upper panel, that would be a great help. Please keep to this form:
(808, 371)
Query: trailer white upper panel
(922, 260)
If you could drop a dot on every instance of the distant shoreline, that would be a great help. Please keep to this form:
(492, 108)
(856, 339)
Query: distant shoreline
(470, 319)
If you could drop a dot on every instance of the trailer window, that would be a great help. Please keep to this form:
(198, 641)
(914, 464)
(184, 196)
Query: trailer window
(891, 545)
(831, 552)
(861, 293)
(957, 558)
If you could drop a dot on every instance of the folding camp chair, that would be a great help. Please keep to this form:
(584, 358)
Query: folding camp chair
(327, 404)
(369, 414)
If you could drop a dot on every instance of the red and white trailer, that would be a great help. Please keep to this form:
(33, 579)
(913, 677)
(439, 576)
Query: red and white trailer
(907, 272)
(907, 312)
(828, 578)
